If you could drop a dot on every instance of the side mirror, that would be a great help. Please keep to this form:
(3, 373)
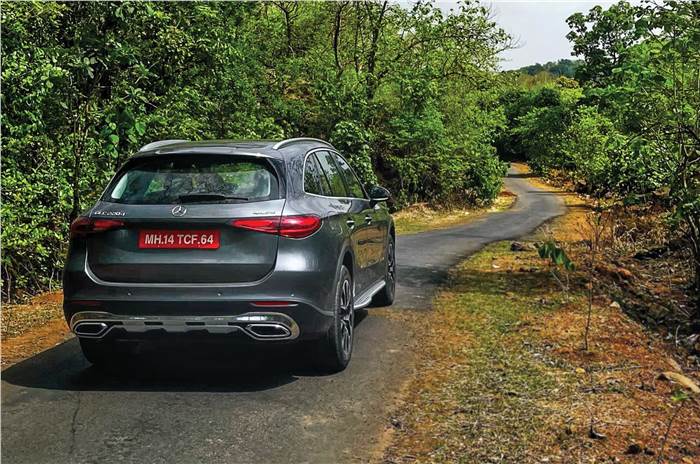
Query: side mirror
(378, 194)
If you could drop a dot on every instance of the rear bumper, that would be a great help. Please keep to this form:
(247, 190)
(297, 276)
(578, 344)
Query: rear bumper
(304, 276)
(126, 318)
(263, 326)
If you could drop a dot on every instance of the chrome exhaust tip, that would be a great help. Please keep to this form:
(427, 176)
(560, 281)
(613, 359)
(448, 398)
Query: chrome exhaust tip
(90, 329)
(269, 330)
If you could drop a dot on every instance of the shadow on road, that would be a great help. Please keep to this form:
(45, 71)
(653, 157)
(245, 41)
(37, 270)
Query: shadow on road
(176, 366)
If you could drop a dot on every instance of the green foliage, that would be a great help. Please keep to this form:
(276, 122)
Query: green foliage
(602, 37)
(352, 138)
(536, 120)
(556, 255)
(603, 159)
(634, 128)
(679, 396)
(564, 67)
(409, 95)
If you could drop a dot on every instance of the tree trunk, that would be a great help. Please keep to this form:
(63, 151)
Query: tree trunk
(695, 245)
(370, 79)
(336, 36)
(75, 209)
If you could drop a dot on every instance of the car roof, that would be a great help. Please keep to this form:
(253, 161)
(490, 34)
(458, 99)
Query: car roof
(265, 148)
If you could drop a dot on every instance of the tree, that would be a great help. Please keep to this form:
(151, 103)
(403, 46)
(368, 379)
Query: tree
(660, 87)
(602, 37)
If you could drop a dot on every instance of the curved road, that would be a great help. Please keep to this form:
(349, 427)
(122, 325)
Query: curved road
(239, 407)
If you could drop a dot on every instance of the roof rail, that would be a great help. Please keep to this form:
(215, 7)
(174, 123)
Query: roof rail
(286, 142)
(159, 144)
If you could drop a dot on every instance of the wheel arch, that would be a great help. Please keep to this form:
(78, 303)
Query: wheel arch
(348, 260)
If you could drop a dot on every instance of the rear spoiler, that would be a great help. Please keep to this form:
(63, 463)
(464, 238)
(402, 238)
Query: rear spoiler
(159, 144)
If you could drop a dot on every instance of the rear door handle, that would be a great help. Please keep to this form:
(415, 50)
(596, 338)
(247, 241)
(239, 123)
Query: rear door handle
(350, 223)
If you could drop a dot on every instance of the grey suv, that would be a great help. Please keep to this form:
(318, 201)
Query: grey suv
(263, 241)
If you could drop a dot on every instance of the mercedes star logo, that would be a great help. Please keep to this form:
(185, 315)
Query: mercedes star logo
(179, 210)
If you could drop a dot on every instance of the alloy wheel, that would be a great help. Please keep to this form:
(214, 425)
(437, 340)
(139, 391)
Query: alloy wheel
(347, 317)
(391, 265)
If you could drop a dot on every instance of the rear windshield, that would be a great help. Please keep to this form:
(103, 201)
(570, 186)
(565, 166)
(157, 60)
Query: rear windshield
(194, 179)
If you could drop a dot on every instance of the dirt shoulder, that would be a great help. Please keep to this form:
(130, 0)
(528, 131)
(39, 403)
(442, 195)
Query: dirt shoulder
(502, 375)
(28, 329)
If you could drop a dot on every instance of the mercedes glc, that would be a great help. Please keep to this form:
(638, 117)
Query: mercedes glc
(259, 241)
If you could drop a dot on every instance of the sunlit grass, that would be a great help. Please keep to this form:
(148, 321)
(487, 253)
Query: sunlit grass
(421, 217)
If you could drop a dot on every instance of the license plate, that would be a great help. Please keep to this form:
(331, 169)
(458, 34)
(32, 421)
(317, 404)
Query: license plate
(200, 239)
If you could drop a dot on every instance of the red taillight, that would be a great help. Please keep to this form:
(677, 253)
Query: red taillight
(299, 226)
(85, 225)
(286, 226)
(267, 225)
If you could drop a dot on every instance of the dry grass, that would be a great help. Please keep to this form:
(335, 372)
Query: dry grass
(502, 376)
(421, 217)
(20, 318)
(35, 341)
(28, 329)
(654, 291)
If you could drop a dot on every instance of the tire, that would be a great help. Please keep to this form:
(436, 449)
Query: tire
(335, 348)
(98, 352)
(385, 297)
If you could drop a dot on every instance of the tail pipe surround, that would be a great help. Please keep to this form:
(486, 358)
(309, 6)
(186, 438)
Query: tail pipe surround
(90, 329)
(257, 325)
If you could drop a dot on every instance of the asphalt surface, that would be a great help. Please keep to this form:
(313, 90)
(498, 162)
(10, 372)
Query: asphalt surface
(238, 406)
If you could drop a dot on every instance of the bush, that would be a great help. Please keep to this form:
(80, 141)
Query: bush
(86, 84)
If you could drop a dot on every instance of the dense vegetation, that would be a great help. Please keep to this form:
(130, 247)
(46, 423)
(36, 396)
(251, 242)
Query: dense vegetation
(410, 95)
(563, 67)
(628, 129)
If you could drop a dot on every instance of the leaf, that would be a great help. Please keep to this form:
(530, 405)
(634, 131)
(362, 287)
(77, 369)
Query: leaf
(681, 380)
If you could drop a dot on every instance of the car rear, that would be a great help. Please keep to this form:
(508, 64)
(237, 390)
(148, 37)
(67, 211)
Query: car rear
(190, 243)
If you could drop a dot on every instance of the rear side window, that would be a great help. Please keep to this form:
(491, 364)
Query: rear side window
(335, 179)
(312, 179)
(194, 179)
(351, 180)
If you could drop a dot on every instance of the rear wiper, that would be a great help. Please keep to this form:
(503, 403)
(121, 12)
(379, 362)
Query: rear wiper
(202, 197)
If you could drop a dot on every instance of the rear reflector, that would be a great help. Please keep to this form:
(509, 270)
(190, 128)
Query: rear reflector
(285, 226)
(273, 304)
(85, 225)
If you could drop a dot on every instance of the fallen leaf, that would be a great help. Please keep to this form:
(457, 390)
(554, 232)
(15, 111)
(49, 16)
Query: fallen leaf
(680, 379)
(674, 364)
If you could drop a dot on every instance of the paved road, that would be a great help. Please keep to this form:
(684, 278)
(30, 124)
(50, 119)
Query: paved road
(238, 407)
